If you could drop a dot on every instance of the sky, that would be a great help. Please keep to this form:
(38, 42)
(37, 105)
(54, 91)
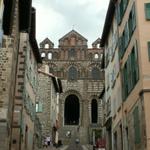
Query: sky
(55, 18)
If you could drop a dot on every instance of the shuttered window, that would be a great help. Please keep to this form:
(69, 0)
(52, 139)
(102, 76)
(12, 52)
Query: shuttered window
(147, 11)
(134, 63)
(126, 40)
(133, 17)
(137, 134)
(125, 81)
(129, 66)
(130, 72)
(39, 107)
(148, 50)
(121, 8)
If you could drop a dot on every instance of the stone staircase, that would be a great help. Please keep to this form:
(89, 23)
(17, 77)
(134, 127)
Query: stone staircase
(75, 133)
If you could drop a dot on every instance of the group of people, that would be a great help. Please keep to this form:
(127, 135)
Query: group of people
(46, 141)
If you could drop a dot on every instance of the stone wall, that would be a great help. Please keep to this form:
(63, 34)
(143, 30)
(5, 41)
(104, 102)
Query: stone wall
(44, 97)
(8, 61)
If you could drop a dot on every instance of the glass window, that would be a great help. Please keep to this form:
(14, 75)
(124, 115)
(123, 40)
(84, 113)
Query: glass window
(95, 73)
(137, 134)
(147, 11)
(39, 107)
(96, 56)
(72, 73)
(72, 53)
(46, 46)
(43, 54)
(49, 56)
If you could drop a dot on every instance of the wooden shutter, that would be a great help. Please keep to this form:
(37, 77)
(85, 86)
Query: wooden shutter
(121, 9)
(137, 134)
(118, 14)
(126, 35)
(124, 84)
(120, 47)
(129, 70)
(125, 4)
(147, 11)
(130, 25)
(133, 17)
(136, 61)
(148, 44)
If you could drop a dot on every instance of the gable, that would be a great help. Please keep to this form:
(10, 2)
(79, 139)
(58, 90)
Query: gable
(72, 38)
(46, 42)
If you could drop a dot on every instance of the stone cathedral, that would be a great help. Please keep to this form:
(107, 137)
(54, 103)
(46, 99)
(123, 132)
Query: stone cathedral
(79, 69)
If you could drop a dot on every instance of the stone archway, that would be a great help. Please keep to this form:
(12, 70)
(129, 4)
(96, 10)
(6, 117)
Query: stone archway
(67, 95)
(72, 110)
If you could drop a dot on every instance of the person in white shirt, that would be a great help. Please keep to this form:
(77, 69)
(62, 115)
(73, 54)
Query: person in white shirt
(48, 139)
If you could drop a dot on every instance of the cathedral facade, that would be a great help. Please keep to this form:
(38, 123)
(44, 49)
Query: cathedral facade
(79, 69)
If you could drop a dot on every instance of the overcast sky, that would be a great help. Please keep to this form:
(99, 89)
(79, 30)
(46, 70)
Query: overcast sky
(55, 18)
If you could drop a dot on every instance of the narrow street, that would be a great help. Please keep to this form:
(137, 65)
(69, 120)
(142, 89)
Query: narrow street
(70, 147)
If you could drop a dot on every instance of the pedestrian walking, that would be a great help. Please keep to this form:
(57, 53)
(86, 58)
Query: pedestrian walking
(48, 139)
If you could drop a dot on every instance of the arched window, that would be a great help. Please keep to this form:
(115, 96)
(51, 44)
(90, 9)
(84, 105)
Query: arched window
(96, 56)
(95, 73)
(72, 73)
(46, 46)
(94, 111)
(72, 53)
(49, 56)
(43, 54)
(51, 70)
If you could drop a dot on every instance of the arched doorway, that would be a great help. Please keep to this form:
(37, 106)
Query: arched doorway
(94, 111)
(72, 110)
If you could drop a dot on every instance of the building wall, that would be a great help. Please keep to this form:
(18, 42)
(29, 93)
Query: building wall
(45, 86)
(84, 87)
(48, 104)
(8, 60)
(130, 121)
(24, 106)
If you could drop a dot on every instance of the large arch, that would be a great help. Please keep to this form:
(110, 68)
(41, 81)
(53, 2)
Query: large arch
(63, 98)
(72, 110)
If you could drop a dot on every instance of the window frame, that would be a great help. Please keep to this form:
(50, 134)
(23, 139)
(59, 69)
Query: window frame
(147, 11)
(38, 107)
(148, 46)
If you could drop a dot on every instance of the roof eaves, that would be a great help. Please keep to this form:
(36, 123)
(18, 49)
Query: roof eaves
(108, 22)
